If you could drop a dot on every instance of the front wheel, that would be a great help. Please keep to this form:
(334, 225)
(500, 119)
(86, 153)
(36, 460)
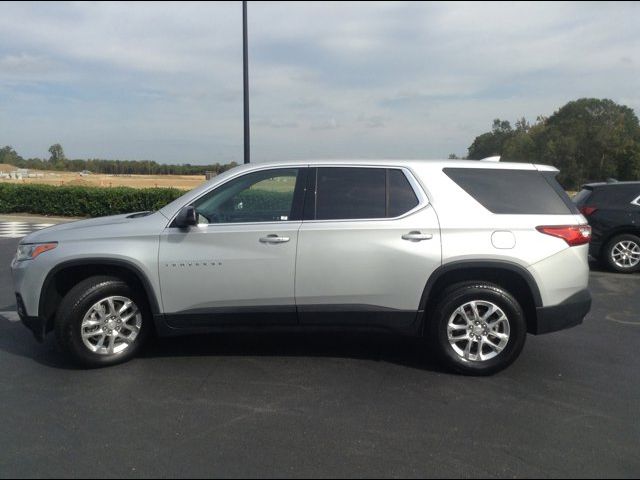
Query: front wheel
(101, 321)
(478, 328)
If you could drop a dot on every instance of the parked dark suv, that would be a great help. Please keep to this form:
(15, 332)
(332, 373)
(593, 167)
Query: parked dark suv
(613, 211)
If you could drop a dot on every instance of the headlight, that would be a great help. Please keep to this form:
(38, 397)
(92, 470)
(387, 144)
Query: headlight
(31, 251)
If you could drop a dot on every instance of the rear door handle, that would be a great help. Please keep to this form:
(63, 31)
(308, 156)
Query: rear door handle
(273, 238)
(417, 236)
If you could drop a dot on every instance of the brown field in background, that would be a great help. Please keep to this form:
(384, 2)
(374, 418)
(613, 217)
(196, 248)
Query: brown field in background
(184, 182)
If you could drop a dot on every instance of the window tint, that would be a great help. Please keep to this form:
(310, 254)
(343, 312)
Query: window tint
(513, 191)
(615, 195)
(265, 196)
(346, 192)
(402, 198)
(582, 196)
(359, 193)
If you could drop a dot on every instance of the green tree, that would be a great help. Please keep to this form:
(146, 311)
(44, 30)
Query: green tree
(587, 139)
(57, 158)
(9, 156)
(491, 143)
(592, 139)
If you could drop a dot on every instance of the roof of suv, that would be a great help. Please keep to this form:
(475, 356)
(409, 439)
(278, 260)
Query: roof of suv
(609, 184)
(411, 163)
(422, 167)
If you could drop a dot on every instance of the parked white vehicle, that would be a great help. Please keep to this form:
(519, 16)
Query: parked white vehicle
(471, 255)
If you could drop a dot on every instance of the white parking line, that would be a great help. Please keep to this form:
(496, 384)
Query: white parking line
(10, 316)
(20, 229)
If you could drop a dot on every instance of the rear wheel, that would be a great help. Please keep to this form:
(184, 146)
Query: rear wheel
(101, 322)
(622, 254)
(478, 328)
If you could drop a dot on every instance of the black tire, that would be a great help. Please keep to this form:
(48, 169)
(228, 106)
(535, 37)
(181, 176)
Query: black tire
(458, 295)
(77, 302)
(606, 257)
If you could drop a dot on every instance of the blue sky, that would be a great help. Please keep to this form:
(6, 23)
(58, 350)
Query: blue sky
(162, 81)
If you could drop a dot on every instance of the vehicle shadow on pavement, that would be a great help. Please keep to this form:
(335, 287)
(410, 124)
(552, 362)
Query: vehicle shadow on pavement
(405, 351)
(18, 341)
(596, 266)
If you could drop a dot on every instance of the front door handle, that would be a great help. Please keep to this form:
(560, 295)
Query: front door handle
(273, 238)
(417, 236)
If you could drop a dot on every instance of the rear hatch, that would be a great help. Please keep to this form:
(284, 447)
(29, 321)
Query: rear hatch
(534, 193)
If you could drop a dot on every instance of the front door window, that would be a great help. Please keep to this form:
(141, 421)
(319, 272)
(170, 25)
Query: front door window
(264, 196)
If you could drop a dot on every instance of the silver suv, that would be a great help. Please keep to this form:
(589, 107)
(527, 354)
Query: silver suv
(471, 255)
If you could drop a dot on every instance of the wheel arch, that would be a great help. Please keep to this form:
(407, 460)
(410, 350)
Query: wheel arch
(65, 275)
(512, 277)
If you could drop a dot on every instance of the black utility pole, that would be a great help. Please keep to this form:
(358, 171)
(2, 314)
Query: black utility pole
(245, 71)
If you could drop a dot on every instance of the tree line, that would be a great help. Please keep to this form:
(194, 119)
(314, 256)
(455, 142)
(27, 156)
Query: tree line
(58, 161)
(587, 140)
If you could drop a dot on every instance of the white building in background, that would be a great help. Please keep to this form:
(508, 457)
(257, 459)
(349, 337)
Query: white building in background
(19, 174)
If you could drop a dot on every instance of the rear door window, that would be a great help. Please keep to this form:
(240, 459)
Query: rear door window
(353, 193)
(350, 193)
(514, 191)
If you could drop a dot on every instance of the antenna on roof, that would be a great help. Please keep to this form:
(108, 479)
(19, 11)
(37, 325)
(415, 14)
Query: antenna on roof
(491, 159)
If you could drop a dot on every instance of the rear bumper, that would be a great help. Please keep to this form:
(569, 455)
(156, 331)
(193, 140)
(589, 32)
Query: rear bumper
(567, 314)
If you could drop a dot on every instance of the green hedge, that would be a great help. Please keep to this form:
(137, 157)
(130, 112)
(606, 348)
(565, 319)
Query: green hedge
(82, 201)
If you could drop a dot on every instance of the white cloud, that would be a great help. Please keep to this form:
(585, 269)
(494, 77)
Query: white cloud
(401, 79)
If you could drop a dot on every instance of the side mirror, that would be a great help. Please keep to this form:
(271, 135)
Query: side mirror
(187, 217)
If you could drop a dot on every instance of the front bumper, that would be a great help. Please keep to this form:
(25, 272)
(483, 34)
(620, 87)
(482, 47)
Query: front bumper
(567, 314)
(28, 277)
(37, 325)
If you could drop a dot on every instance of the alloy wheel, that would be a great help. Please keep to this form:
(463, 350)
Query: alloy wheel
(111, 325)
(626, 254)
(478, 331)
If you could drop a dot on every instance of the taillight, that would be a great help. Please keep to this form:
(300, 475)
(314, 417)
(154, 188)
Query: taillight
(572, 234)
(586, 211)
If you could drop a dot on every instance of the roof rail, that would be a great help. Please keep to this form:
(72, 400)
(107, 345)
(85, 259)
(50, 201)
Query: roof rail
(491, 159)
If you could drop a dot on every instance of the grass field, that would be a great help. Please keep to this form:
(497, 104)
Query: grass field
(281, 184)
(184, 182)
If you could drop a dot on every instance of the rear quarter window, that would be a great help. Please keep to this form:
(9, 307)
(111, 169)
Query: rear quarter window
(400, 195)
(527, 192)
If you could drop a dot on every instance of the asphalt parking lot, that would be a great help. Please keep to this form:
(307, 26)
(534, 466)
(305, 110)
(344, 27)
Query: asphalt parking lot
(327, 406)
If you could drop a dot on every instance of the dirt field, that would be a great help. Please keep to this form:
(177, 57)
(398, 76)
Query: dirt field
(186, 182)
